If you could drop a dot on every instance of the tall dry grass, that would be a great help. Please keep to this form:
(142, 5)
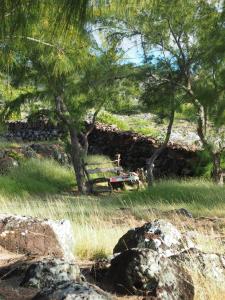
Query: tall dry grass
(99, 222)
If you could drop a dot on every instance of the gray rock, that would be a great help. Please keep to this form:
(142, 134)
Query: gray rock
(180, 212)
(6, 164)
(211, 265)
(158, 235)
(2, 154)
(48, 272)
(71, 290)
(144, 272)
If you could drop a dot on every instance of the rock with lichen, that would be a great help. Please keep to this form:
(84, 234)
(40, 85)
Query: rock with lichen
(211, 265)
(144, 272)
(159, 235)
(48, 272)
(6, 164)
(72, 290)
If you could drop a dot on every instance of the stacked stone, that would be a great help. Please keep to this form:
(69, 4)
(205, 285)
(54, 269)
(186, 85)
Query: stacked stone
(135, 149)
(33, 131)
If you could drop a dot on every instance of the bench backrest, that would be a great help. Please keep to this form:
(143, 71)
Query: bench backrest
(88, 171)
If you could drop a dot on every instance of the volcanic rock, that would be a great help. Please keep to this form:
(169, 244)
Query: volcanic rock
(158, 235)
(48, 272)
(72, 290)
(211, 265)
(27, 235)
(144, 272)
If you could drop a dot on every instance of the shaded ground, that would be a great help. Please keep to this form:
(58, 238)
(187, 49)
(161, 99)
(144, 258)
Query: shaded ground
(10, 280)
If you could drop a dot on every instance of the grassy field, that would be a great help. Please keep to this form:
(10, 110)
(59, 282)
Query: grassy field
(44, 189)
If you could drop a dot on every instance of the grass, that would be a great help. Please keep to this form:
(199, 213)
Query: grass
(200, 196)
(34, 177)
(98, 222)
(4, 144)
(133, 123)
(110, 119)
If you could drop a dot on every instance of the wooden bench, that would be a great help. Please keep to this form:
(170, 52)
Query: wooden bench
(116, 179)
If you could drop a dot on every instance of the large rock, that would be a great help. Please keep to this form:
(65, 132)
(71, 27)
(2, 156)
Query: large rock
(71, 290)
(48, 272)
(27, 235)
(144, 272)
(159, 235)
(6, 164)
(211, 265)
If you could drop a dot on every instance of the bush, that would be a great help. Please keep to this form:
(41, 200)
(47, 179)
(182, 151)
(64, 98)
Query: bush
(205, 165)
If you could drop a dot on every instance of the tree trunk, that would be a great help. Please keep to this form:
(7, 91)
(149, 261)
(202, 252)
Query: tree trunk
(85, 145)
(216, 172)
(76, 149)
(156, 154)
(77, 161)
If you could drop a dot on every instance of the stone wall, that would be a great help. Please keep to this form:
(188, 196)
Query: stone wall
(33, 131)
(177, 160)
(136, 149)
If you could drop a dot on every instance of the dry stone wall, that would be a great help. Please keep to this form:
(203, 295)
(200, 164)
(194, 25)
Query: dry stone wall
(135, 149)
(33, 131)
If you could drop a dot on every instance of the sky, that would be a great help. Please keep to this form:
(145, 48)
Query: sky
(131, 46)
(133, 50)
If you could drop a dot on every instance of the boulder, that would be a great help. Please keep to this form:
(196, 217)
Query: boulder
(211, 265)
(100, 269)
(183, 212)
(72, 290)
(144, 272)
(6, 164)
(27, 235)
(2, 154)
(48, 272)
(158, 235)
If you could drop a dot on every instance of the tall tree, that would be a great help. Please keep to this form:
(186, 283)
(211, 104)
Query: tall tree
(71, 76)
(180, 34)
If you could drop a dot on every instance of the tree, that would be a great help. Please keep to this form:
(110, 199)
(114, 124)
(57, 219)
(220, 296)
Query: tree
(71, 76)
(178, 34)
(161, 97)
(18, 15)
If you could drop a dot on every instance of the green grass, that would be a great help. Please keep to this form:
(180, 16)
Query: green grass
(134, 124)
(110, 119)
(4, 144)
(34, 177)
(200, 196)
(98, 222)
